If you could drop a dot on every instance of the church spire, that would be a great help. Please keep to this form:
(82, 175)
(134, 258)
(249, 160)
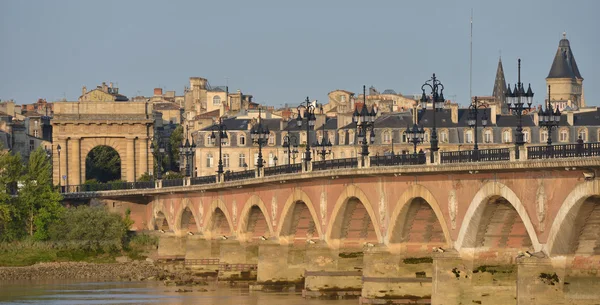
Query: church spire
(500, 85)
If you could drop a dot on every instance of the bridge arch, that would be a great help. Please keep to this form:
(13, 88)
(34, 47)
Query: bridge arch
(187, 219)
(493, 192)
(352, 197)
(584, 198)
(418, 199)
(161, 219)
(218, 220)
(255, 221)
(298, 206)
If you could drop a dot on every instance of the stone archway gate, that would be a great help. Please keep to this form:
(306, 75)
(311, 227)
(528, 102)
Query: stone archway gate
(78, 127)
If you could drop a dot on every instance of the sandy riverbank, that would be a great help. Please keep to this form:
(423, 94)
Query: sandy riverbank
(136, 270)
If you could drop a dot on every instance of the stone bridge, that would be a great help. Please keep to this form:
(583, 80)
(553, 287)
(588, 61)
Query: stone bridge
(504, 232)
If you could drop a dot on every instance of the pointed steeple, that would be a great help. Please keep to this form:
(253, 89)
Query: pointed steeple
(564, 65)
(499, 91)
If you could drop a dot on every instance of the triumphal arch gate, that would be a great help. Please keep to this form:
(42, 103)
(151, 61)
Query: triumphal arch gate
(78, 127)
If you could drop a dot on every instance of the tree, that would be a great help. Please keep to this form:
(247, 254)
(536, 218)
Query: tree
(11, 222)
(37, 198)
(175, 141)
(103, 164)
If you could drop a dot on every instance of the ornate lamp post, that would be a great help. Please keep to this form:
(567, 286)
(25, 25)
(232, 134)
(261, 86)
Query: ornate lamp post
(221, 135)
(309, 116)
(416, 135)
(437, 98)
(260, 135)
(519, 102)
(472, 121)
(549, 119)
(291, 149)
(161, 151)
(187, 152)
(324, 145)
(275, 161)
(365, 121)
(58, 148)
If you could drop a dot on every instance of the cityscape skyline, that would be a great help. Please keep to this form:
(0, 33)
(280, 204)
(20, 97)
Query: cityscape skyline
(283, 54)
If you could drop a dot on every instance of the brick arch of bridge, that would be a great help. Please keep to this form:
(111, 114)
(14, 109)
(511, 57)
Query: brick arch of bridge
(159, 213)
(179, 227)
(351, 191)
(118, 144)
(209, 221)
(471, 220)
(559, 238)
(297, 196)
(403, 204)
(253, 201)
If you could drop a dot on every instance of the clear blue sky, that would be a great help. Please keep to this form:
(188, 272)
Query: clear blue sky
(282, 51)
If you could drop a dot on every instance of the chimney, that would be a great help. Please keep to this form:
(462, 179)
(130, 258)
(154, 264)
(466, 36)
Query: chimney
(493, 113)
(454, 112)
(158, 92)
(570, 118)
(83, 90)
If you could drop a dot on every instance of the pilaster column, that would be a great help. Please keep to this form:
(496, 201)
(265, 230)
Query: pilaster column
(130, 174)
(143, 162)
(60, 161)
(74, 176)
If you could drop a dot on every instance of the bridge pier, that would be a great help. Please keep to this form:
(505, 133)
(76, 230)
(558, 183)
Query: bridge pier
(237, 260)
(280, 266)
(202, 254)
(539, 282)
(451, 278)
(171, 246)
(396, 278)
(494, 278)
(332, 273)
(581, 281)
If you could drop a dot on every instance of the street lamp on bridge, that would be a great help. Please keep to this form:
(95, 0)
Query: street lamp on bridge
(309, 116)
(365, 121)
(416, 135)
(220, 136)
(324, 145)
(188, 151)
(161, 150)
(437, 104)
(549, 118)
(473, 120)
(291, 149)
(519, 102)
(260, 135)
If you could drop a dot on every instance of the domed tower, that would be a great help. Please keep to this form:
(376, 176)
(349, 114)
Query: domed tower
(564, 78)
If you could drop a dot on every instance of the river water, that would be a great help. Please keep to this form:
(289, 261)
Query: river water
(85, 293)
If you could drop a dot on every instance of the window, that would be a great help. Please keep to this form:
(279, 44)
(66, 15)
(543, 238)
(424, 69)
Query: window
(342, 155)
(209, 141)
(564, 135)
(225, 160)
(31, 145)
(544, 136)
(487, 136)
(404, 138)
(351, 137)
(242, 160)
(444, 137)
(303, 138)
(209, 160)
(526, 136)
(583, 134)
(506, 136)
(216, 100)
(36, 133)
(343, 98)
(35, 123)
(272, 138)
(271, 160)
(426, 137)
(386, 137)
(256, 159)
(242, 140)
(342, 137)
(469, 136)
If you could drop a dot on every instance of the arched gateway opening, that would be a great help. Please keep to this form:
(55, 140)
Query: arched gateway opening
(103, 164)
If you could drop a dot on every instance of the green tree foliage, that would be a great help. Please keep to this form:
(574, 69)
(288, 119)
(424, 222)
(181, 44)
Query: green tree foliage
(103, 164)
(175, 141)
(145, 177)
(37, 198)
(91, 228)
(11, 169)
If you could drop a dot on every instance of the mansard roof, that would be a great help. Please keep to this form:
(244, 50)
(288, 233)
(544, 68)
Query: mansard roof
(564, 65)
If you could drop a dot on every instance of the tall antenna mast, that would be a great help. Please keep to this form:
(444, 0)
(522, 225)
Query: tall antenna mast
(471, 62)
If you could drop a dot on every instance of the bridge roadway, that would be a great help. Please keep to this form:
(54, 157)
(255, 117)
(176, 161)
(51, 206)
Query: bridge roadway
(502, 232)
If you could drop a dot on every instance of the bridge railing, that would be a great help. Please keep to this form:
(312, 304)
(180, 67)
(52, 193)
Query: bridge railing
(109, 186)
(203, 180)
(403, 159)
(481, 155)
(233, 176)
(172, 182)
(283, 169)
(335, 164)
(563, 151)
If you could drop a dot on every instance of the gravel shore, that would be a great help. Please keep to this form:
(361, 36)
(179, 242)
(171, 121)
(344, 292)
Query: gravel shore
(136, 270)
